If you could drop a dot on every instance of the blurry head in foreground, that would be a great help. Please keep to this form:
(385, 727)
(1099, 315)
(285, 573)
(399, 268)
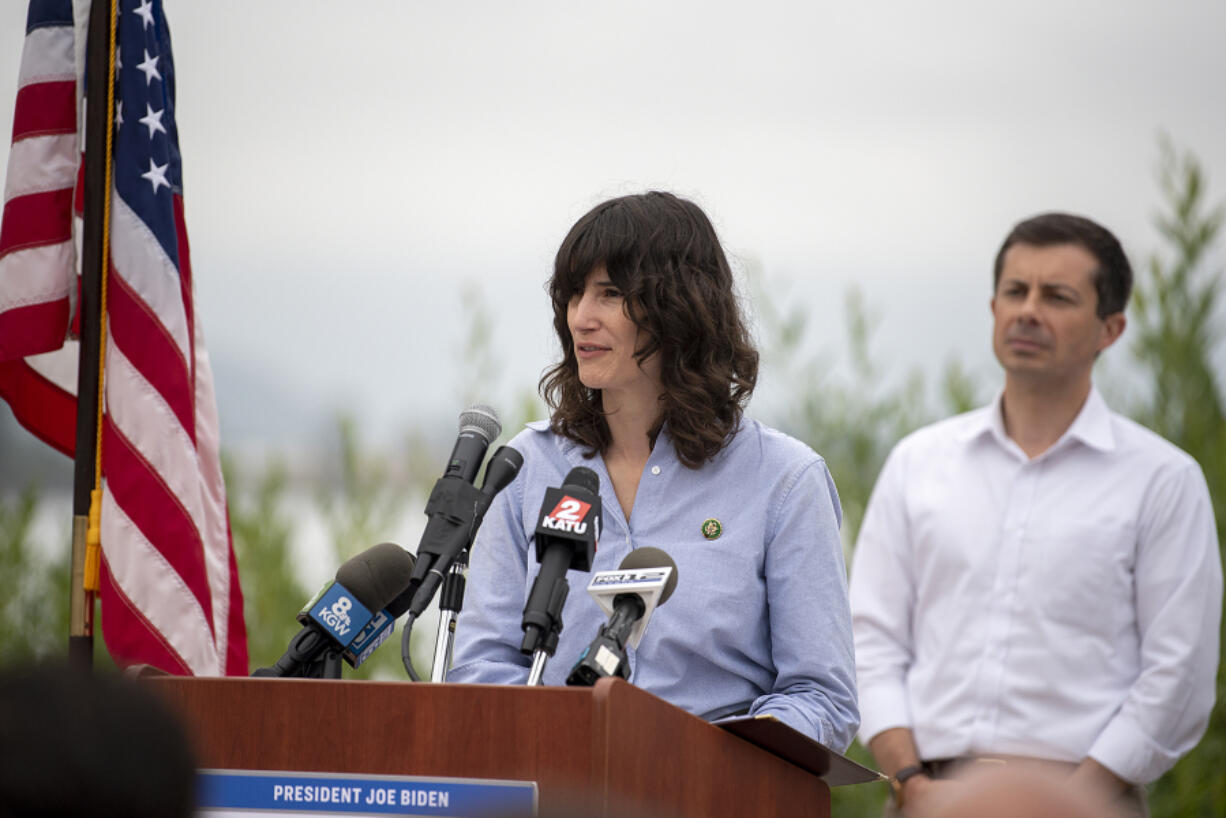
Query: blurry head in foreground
(80, 744)
(1014, 793)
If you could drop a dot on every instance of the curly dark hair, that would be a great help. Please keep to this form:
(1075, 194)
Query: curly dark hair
(661, 251)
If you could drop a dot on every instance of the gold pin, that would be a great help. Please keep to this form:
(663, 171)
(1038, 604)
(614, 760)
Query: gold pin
(711, 528)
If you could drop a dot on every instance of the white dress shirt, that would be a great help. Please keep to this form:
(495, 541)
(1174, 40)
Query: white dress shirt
(1060, 607)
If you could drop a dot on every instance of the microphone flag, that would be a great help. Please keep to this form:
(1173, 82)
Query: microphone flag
(649, 584)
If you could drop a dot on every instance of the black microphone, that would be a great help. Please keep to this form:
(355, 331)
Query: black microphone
(499, 472)
(346, 619)
(502, 468)
(455, 507)
(639, 575)
(479, 426)
(566, 536)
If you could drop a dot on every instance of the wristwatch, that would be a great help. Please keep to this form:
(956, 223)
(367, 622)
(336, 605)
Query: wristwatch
(899, 778)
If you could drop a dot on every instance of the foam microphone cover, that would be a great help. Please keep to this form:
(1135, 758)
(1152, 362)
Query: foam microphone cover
(648, 557)
(377, 575)
(582, 477)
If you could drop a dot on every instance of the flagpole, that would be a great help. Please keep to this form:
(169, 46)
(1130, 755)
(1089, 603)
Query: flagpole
(99, 121)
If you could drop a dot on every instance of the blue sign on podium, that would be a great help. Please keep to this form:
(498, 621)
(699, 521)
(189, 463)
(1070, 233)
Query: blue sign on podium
(241, 793)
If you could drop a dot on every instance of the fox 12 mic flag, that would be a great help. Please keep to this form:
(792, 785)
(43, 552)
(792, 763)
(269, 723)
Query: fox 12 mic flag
(169, 590)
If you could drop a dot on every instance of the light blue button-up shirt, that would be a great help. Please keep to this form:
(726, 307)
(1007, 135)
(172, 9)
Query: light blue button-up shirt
(759, 621)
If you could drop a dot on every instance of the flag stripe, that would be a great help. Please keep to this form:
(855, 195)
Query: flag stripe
(58, 367)
(186, 288)
(30, 330)
(45, 108)
(215, 525)
(40, 165)
(128, 633)
(235, 629)
(47, 411)
(146, 420)
(24, 280)
(154, 509)
(138, 257)
(142, 574)
(48, 56)
(150, 349)
(35, 220)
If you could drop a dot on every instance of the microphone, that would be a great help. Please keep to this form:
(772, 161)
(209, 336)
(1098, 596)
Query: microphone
(566, 538)
(479, 425)
(644, 581)
(452, 552)
(455, 507)
(346, 619)
(502, 468)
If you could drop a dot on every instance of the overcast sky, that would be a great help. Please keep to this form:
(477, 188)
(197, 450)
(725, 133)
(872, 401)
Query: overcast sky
(348, 166)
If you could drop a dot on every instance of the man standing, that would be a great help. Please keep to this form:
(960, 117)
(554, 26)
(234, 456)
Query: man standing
(1037, 582)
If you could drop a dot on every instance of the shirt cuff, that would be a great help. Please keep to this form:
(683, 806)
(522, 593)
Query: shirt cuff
(1125, 749)
(882, 706)
(798, 721)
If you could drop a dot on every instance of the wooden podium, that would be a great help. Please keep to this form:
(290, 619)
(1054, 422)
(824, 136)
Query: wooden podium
(610, 750)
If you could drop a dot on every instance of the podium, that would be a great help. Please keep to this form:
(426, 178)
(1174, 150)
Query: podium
(609, 750)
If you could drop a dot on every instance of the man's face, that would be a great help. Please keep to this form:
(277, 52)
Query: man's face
(1045, 309)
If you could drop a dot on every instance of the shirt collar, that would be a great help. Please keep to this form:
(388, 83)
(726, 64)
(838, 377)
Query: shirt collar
(543, 426)
(985, 420)
(1092, 426)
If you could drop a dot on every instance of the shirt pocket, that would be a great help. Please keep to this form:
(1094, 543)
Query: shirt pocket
(1081, 573)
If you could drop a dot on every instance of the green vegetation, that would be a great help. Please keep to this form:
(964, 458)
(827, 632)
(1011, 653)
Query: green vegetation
(853, 419)
(34, 610)
(1178, 324)
(262, 531)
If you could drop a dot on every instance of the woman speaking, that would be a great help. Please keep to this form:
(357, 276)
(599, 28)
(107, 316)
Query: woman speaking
(656, 367)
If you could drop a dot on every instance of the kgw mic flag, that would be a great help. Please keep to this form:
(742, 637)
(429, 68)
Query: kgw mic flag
(169, 589)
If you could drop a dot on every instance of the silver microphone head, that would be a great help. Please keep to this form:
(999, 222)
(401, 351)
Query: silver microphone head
(482, 420)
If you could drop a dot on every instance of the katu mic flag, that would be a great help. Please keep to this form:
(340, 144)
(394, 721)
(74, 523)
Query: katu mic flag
(169, 587)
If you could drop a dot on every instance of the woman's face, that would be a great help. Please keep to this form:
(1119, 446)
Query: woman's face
(605, 340)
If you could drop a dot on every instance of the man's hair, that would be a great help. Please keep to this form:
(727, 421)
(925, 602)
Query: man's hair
(662, 253)
(1112, 279)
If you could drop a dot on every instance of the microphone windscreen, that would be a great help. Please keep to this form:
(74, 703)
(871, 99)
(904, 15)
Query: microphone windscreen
(584, 478)
(377, 575)
(648, 557)
(501, 470)
(482, 420)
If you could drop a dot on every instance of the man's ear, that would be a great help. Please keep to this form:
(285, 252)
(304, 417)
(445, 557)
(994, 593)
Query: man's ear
(1113, 326)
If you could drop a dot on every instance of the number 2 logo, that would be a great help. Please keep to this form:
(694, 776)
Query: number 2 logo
(570, 509)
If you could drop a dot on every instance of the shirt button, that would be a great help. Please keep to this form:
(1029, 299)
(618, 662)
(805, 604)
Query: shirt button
(655, 469)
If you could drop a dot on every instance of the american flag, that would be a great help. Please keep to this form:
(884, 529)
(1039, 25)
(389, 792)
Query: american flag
(169, 591)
